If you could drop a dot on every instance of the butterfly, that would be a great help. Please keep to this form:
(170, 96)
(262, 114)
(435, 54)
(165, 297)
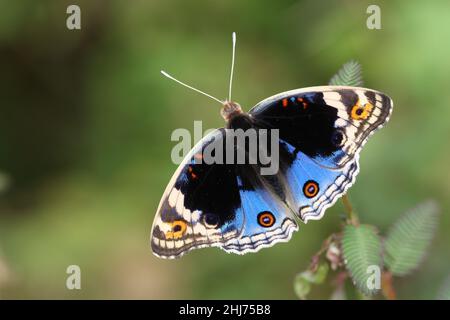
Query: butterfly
(321, 131)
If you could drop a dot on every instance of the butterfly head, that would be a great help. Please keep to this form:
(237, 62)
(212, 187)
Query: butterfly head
(230, 109)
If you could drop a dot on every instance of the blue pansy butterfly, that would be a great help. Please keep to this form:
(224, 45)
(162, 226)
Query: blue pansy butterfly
(233, 207)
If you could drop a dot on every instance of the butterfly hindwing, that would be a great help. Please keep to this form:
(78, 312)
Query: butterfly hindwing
(267, 220)
(312, 188)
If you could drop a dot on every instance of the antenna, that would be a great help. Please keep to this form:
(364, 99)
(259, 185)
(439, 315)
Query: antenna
(204, 93)
(190, 87)
(232, 65)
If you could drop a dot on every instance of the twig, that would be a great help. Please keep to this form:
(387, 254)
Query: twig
(387, 286)
(316, 258)
(352, 217)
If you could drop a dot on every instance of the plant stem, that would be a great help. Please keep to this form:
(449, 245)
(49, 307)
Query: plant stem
(316, 258)
(352, 217)
(387, 286)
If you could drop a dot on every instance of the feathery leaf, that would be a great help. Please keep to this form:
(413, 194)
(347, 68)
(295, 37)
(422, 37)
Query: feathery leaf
(361, 247)
(409, 238)
(350, 74)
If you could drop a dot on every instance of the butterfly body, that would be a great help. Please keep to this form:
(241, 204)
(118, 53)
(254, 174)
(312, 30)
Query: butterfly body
(320, 132)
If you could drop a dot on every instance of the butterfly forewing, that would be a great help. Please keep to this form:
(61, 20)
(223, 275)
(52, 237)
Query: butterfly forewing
(218, 204)
(322, 130)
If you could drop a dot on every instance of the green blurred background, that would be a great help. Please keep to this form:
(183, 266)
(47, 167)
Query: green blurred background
(86, 118)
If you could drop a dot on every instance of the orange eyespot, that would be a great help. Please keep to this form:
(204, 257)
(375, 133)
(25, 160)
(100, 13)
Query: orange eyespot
(360, 112)
(310, 189)
(178, 228)
(285, 103)
(266, 219)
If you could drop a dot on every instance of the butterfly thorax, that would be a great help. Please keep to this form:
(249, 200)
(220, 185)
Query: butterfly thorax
(230, 109)
(240, 121)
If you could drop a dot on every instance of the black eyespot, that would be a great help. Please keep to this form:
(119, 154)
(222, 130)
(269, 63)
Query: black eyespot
(211, 220)
(176, 228)
(337, 138)
(359, 111)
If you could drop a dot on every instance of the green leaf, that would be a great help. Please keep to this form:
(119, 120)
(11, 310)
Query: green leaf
(349, 75)
(302, 286)
(321, 273)
(303, 281)
(361, 247)
(444, 292)
(409, 238)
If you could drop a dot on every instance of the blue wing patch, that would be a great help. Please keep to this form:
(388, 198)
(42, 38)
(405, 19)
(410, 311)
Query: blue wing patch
(314, 187)
(267, 220)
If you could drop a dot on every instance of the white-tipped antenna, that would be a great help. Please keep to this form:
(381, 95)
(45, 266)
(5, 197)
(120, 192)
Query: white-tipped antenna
(232, 65)
(190, 87)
